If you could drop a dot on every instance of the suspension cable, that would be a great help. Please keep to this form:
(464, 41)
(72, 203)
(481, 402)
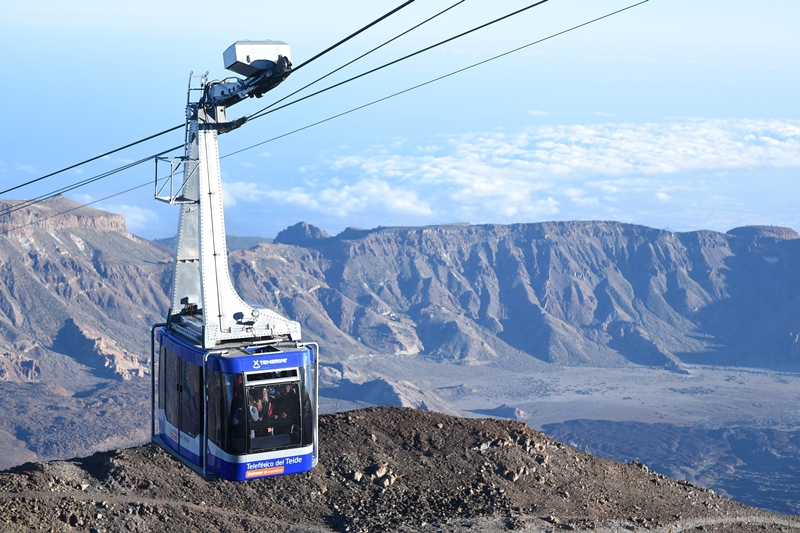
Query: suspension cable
(390, 13)
(263, 112)
(140, 141)
(119, 169)
(453, 73)
(362, 56)
(87, 181)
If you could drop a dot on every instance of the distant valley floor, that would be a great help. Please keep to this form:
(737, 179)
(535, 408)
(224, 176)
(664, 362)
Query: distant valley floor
(732, 429)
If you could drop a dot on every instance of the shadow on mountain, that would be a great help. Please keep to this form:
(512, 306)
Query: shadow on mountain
(503, 411)
(757, 322)
(376, 392)
(633, 344)
(569, 293)
(97, 352)
(758, 466)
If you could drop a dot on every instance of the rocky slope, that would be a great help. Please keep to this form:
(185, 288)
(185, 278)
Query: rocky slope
(381, 469)
(77, 293)
(77, 296)
(734, 460)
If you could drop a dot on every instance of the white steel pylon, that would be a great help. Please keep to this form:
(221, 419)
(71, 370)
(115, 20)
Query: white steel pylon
(205, 305)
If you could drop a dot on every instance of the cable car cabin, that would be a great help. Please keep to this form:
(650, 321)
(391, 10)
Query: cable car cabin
(256, 405)
(237, 390)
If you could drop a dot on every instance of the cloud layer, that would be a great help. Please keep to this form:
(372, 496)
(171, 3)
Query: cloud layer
(611, 170)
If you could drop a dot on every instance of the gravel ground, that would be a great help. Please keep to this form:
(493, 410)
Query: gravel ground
(381, 469)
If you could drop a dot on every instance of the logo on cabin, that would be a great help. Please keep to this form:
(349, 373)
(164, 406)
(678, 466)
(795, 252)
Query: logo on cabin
(258, 363)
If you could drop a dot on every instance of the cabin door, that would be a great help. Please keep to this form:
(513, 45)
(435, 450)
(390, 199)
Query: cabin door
(191, 410)
(183, 404)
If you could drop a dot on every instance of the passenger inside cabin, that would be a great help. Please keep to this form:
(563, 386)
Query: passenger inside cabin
(255, 406)
(261, 412)
(286, 409)
(266, 405)
(255, 410)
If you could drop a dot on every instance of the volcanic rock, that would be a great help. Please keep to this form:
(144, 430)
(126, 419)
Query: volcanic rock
(448, 484)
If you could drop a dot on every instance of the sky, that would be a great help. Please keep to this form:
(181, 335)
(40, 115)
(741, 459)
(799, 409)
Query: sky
(676, 114)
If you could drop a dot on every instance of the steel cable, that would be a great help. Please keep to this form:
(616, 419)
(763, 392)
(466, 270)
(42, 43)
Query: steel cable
(130, 165)
(264, 112)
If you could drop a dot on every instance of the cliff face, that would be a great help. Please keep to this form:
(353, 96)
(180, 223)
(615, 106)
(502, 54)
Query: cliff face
(57, 213)
(69, 281)
(569, 293)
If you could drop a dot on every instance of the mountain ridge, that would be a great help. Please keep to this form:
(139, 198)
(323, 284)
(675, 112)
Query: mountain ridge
(571, 293)
(588, 291)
